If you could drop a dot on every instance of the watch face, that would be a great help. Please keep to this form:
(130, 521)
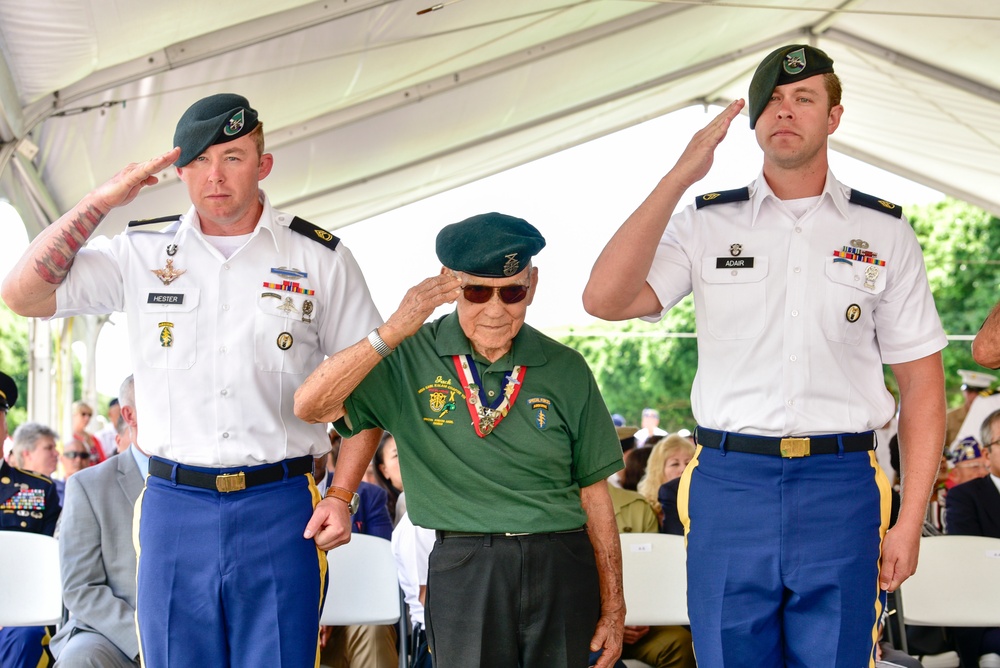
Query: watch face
(352, 507)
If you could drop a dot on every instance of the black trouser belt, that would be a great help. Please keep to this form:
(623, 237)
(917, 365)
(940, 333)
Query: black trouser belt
(463, 534)
(789, 446)
(233, 481)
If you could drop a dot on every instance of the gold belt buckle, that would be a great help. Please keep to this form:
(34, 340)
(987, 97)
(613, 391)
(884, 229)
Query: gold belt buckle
(795, 447)
(231, 482)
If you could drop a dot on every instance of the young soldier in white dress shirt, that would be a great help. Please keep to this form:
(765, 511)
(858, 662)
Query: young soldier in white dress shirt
(229, 308)
(803, 289)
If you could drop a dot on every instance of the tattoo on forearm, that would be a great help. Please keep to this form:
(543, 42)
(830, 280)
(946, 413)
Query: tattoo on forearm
(56, 260)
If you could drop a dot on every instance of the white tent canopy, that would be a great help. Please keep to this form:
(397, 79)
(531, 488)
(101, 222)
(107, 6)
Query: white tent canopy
(371, 104)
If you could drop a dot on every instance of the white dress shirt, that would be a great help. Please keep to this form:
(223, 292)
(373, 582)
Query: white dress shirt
(794, 344)
(217, 355)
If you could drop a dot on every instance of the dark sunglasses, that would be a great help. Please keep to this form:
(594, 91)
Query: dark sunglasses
(75, 455)
(509, 294)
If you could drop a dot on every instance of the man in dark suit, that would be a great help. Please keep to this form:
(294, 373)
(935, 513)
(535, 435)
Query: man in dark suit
(98, 558)
(973, 509)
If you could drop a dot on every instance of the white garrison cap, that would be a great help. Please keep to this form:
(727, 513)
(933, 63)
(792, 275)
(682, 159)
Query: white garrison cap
(976, 380)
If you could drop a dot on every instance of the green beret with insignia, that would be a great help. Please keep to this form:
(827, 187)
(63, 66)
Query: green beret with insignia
(8, 392)
(784, 66)
(215, 119)
(490, 245)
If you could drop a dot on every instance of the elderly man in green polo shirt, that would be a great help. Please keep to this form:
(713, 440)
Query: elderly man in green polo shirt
(504, 444)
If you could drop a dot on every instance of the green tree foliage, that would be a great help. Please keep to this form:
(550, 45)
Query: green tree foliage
(14, 360)
(960, 244)
(640, 364)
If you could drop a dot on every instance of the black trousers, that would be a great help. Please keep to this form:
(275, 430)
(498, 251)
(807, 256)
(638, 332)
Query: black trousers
(504, 602)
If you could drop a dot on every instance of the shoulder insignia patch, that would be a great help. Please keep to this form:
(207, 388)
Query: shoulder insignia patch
(722, 197)
(154, 221)
(314, 232)
(872, 202)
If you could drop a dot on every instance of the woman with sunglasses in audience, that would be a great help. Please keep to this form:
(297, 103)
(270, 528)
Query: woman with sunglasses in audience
(82, 413)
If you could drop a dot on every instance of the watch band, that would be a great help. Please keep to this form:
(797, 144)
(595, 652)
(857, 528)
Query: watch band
(340, 493)
(352, 499)
(380, 346)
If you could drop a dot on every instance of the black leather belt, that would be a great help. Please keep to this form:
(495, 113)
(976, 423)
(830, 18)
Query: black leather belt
(234, 481)
(805, 446)
(464, 534)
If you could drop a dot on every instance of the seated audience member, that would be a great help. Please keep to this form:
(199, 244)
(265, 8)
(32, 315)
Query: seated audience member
(973, 509)
(108, 435)
(635, 468)
(677, 453)
(74, 458)
(650, 427)
(82, 413)
(668, 458)
(28, 502)
(35, 449)
(658, 646)
(98, 558)
(411, 546)
(386, 461)
(626, 434)
(122, 435)
(358, 646)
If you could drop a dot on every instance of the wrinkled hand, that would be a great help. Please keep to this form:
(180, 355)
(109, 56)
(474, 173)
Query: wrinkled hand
(697, 158)
(609, 634)
(417, 305)
(123, 187)
(899, 556)
(330, 524)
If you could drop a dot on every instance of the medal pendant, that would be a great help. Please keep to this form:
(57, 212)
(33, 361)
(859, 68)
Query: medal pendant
(487, 421)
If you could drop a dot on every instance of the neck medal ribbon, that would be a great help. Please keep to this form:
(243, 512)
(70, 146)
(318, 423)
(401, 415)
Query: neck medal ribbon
(486, 417)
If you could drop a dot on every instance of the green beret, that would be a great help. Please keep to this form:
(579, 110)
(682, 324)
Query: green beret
(8, 391)
(215, 119)
(491, 245)
(784, 66)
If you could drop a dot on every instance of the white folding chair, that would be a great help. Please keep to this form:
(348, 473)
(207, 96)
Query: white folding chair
(957, 583)
(29, 574)
(364, 588)
(654, 578)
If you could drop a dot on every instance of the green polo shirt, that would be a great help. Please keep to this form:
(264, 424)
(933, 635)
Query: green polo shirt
(526, 475)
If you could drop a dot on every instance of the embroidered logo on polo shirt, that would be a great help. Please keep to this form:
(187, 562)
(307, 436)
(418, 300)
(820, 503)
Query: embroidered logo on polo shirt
(541, 407)
(443, 396)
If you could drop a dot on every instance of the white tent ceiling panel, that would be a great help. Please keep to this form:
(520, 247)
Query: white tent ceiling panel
(368, 106)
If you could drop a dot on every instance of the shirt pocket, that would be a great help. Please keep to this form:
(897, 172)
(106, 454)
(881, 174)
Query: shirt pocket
(734, 300)
(284, 332)
(852, 292)
(170, 331)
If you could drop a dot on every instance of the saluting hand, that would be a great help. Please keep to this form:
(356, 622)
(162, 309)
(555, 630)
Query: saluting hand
(123, 187)
(418, 304)
(697, 158)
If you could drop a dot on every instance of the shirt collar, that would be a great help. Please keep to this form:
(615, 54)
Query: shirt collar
(526, 349)
(141, 460)
(833, 190)
(191, 223)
